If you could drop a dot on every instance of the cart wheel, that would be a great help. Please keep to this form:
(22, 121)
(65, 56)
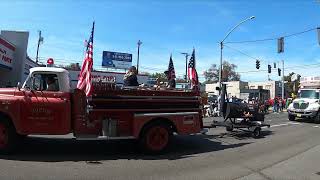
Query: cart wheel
(229, 127)
(256, 132)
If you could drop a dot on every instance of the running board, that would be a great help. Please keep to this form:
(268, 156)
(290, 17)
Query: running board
(90, 137)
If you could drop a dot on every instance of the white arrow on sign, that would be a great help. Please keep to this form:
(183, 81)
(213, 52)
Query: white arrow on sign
(294, 77)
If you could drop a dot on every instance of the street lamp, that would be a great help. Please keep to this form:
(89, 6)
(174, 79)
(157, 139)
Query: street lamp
(221, 47)
(186, 76)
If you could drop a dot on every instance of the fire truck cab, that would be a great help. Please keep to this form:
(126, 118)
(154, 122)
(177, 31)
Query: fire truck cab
(46, 105)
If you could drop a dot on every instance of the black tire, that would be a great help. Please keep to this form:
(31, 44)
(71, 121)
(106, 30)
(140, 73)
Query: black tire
(22, 137)
(291, 118)
(8, 136)
(229, 127)
(317, 118)
(155, 138)
(256, 132)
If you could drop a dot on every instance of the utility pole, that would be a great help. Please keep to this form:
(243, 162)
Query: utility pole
(139, 44)
(186, 76)
(282, 80)
(220, 69)
(40, 40)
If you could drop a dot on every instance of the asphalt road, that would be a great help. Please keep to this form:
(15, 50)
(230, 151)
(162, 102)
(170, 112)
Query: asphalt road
(288, 150)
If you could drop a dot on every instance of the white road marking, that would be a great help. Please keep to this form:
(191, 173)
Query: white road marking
(316, 126)
(285, 124)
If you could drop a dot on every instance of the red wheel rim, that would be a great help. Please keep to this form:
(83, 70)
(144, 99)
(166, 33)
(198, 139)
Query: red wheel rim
(3, 136)
(157, 138)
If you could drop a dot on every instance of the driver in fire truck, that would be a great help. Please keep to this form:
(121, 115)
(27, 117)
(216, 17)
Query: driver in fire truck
(51, 84)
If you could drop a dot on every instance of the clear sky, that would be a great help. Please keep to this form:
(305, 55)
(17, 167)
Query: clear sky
(172, 26)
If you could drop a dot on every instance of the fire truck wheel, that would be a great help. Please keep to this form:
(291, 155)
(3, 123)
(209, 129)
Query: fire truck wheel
(155, 138)
(8, 136)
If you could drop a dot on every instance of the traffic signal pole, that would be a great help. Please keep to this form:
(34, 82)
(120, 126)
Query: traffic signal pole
(282, 80)
(139, 44)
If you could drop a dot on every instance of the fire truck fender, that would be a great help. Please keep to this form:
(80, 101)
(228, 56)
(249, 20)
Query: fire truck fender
(6, 117)
(157, 120)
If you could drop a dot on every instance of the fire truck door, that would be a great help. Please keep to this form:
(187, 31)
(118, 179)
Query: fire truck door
(46, 112)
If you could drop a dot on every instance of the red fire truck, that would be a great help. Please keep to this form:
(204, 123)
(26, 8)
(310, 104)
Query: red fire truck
(147, 115)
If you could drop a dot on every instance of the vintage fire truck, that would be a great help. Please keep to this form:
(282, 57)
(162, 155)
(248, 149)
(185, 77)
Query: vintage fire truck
(150, 116)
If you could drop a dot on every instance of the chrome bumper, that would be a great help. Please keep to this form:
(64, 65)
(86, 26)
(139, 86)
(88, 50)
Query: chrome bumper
(303, 114)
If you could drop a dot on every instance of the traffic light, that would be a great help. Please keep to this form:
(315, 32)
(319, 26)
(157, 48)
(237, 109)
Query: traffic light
(257, 64)
(281, 45)
(279, 71)
(269, 68)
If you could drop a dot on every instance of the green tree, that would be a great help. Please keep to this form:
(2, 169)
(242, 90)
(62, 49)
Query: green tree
(72, 66)
(292, 87)
(180, 80)
(161, 76)
(228, 74)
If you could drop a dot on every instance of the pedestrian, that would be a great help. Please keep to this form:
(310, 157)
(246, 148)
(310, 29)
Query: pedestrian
(219, 105)
(171, 80)
(130, 78)
(280, 105)
(275, 105)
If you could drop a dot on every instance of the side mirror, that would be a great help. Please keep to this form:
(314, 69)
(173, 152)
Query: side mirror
(217, 88)
(19, 85)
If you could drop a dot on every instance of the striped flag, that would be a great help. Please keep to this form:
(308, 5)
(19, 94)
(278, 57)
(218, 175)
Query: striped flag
(171, 72)
(84, 81)
(192, 72)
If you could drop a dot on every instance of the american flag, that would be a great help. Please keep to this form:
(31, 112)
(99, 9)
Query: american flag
(171, 72)
(84, 81)
(192, 72)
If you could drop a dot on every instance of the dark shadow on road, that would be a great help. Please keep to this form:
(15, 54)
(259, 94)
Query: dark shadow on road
(242, 135)
(305, 120)
(58, 150)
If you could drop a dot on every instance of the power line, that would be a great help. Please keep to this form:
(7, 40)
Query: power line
(271, 39)
(243, 53)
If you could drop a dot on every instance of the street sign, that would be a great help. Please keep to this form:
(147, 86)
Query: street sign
(116, 60)
(6, 54)
(281, 45)
(294, 77)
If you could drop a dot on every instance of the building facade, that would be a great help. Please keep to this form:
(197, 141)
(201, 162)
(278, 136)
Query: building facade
(14, 62)
(234, 88)
(273, 86)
